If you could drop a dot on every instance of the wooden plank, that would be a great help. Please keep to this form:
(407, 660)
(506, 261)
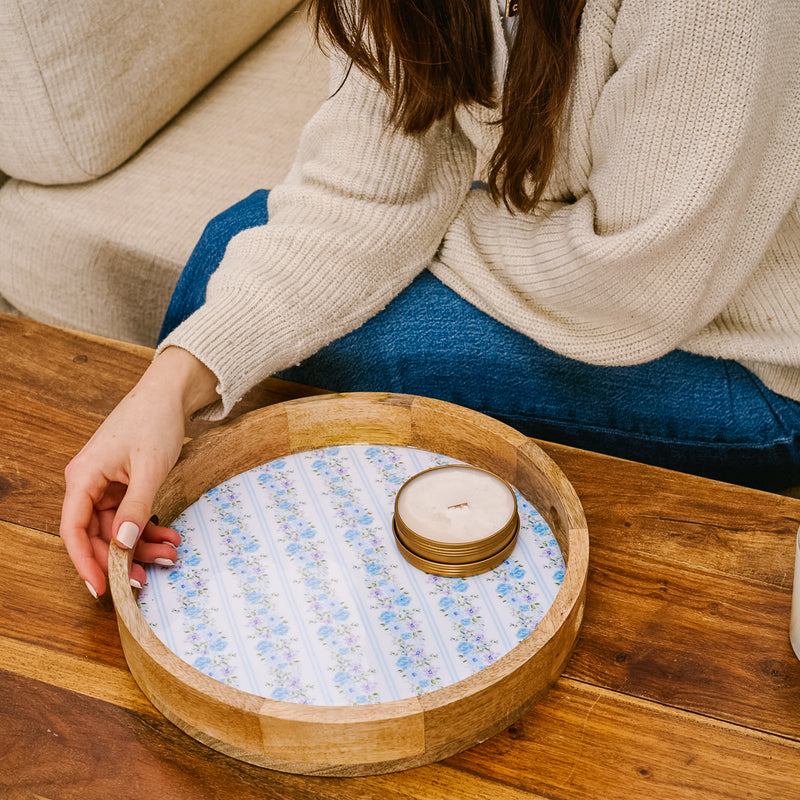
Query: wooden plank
(584, 742)
(89, 749)
(579, 742)
(606, 586)
(672, 632)
(57, 387)
(61, 371)
(682, 518)
(78, 674)
(65, 368)
(86, 376)
(90, 373)
(37, 441)
(690, 638)
(46, 604)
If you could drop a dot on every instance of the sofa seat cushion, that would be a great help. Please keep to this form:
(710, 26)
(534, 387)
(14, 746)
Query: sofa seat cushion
(104, 256)
(83, 84)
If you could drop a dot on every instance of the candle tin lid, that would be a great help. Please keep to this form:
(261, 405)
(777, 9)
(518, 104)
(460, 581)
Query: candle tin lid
(478, 528)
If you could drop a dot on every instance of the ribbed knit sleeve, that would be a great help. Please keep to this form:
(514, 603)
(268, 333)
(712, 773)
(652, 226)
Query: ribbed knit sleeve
(361, 213)
(692, 152)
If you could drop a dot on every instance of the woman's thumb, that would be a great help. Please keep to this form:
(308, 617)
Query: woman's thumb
(133, 513)
(128, 533)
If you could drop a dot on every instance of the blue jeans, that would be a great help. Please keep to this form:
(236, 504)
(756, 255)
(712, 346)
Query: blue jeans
(691, 413)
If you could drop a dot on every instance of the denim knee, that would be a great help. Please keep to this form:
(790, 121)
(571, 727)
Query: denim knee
(190, 290)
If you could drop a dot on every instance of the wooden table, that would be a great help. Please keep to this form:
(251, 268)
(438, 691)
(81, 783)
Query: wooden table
(683, 683)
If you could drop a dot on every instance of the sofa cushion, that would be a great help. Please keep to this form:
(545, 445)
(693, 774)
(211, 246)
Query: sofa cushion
(84, 83)
(104, 256)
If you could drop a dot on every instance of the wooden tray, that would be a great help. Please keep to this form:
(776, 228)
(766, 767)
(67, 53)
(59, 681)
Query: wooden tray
(382, 737)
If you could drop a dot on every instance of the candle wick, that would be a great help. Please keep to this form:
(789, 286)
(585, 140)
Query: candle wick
(460, 505)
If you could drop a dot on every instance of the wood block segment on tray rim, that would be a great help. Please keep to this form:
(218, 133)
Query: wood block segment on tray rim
(383, 736)
(342, 419)
(467, 435)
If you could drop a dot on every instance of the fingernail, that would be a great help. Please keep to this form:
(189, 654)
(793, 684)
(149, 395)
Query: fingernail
(135, 584)
(164, 562)
(92, 592)
(171, 545)
(127, 534)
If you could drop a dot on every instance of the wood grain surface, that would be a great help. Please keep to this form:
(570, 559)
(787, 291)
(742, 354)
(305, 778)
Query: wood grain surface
(683, 683)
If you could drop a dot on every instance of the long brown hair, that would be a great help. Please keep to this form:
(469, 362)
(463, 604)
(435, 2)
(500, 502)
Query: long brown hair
(431, 56)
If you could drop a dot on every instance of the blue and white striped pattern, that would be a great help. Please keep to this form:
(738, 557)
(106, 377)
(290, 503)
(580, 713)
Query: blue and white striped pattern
(289, 585)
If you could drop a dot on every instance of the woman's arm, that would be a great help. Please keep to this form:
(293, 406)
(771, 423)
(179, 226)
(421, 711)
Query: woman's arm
(362, 212)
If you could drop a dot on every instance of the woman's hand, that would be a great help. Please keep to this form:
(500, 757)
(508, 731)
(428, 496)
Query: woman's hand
(111, 483)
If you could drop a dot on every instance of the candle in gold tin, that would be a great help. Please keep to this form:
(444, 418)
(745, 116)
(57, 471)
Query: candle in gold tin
(456, 520)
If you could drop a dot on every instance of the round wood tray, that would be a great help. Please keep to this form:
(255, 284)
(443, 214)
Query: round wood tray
(382, 737)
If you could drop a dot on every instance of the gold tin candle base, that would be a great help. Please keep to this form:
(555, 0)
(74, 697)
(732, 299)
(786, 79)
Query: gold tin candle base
(455, 520)
(455, 570)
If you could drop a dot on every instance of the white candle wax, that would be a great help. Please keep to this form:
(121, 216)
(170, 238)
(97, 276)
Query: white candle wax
(794, 625)
(455, 504)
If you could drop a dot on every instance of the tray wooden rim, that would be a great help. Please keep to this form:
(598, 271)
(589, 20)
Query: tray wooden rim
(366, 739)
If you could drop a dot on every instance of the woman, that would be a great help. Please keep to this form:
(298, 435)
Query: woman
(622, 275)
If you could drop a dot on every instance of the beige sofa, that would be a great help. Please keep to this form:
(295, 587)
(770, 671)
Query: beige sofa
(125, 125)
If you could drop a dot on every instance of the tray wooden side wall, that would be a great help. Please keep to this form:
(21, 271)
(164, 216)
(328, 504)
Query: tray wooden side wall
(370, 739)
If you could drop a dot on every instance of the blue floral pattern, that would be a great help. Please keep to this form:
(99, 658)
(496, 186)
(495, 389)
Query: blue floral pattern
(388, 597)
(194, 616)
(267, 631)
(473, 644)
(289, 585)
(326, 612)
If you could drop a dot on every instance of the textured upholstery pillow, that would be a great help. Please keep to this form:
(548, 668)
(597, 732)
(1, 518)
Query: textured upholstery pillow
(84, 83)
(104, 256)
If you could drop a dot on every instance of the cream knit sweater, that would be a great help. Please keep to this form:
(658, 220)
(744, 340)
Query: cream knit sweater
(672, 219)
